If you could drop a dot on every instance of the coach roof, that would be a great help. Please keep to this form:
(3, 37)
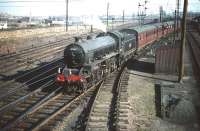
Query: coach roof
(143, 28)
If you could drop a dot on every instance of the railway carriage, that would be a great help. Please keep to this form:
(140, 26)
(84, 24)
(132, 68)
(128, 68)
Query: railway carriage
(146, 34)
(92, 60)
(143, 34)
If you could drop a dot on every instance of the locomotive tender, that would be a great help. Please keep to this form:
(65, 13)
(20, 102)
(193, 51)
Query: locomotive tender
(90, 61)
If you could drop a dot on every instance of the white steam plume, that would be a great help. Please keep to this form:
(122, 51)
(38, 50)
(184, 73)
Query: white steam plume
(95, 22)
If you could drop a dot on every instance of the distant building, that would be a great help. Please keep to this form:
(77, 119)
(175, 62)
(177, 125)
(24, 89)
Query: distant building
(57, 22)
(3, 25)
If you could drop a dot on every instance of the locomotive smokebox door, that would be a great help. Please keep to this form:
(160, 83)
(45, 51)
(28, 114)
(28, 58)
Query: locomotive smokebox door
(74, 56)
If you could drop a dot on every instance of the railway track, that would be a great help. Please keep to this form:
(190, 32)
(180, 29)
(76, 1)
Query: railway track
(195, 50)
(33, 55)
(30, 80)
(121, 114)
(11, 99)
(43, 109)
(193, 39)
(109, 111)
(99, 115)
(27, 74)
(110, 108)
(36, 48)
(45, 116)
(26, 104)
(21, 81)
(50, 109)
(35, 59)
(28, 60)
(33, 82)
(28, 96)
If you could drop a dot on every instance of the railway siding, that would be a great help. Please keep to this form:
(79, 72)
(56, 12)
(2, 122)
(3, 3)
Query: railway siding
(66, 118)
(123, 103)
(51, 112)
(23, 106)
(13, 41)
(195, 47)
(32, 56)
(99, 115)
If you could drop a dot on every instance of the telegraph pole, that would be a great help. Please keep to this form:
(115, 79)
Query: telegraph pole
(183, 26)
(30, 16)
(177, 16)
(175, 25)
(67, 17)
(138, 13)
(161, 14)
(112, 22)
(123, 16)
(142, 12)
(107, 13)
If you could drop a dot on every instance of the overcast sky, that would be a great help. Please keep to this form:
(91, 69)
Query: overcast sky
(88, 7)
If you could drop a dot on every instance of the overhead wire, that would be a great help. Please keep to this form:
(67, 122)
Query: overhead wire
(26, 6)
(33, 1)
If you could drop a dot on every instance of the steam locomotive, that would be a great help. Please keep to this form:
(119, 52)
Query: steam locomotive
(87, 62)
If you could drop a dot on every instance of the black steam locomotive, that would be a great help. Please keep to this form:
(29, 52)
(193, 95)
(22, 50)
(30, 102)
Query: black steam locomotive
(89, 61)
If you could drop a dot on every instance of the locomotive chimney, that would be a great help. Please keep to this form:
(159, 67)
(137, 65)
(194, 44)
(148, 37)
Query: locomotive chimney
(89, 37)
(77, 39)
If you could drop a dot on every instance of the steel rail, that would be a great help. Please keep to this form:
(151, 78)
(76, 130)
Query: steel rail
(32, 77)
(114, 77)
(33, 108)
(47, 44)
(8, 106)
(195, 50)
(26, 85)
(36, 69)
(24, 64)
(80, 97)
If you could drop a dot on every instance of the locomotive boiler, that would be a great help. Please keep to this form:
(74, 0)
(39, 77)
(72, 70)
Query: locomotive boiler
(78, 54)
